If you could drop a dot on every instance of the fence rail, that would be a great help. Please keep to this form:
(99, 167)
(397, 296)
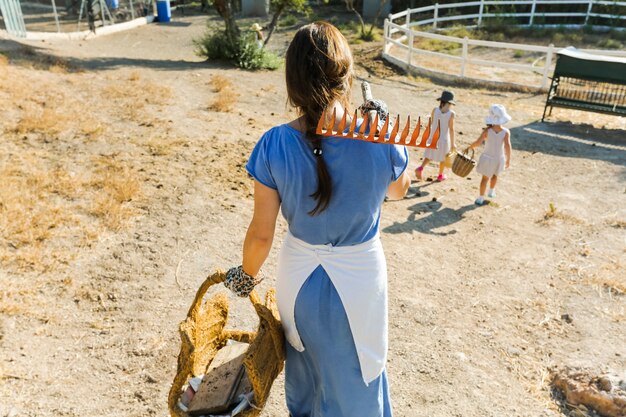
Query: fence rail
(406, 41)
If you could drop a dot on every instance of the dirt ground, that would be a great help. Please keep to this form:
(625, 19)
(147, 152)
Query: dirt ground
(122, 188)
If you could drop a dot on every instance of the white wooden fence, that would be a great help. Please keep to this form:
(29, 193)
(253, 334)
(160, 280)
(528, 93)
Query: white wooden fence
(401, 22)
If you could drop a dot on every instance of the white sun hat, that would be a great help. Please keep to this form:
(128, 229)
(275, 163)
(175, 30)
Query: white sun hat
(497, 115)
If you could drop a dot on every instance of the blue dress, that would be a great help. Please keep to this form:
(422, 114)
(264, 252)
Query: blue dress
(325, 379)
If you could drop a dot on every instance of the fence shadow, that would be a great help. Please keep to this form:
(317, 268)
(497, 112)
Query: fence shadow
(572, 141)
(27, 55)
(438, 218)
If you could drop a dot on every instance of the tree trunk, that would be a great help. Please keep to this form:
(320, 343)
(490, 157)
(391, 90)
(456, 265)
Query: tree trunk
(224, 8)
(350, 7)
(273, 23)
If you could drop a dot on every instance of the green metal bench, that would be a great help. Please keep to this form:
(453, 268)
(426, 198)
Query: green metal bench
(588, 82)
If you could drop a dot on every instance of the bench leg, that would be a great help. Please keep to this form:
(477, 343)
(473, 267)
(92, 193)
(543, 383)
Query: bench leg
(544, 113)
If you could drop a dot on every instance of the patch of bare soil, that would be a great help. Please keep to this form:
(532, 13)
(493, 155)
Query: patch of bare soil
(122, 186)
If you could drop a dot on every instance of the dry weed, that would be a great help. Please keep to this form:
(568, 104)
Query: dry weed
(134, 76)
(552, 213)
(42, 208)
(4, 60)
(225, 101)
(46, 120)
(134, 91)
(220, 83)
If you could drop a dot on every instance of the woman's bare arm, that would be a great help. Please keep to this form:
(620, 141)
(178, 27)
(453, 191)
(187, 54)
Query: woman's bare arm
(399, 187)
(260, 233)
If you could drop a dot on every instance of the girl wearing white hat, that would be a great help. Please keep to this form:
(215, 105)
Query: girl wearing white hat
(497, 154)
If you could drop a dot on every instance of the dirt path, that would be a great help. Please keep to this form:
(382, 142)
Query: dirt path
(482, 300)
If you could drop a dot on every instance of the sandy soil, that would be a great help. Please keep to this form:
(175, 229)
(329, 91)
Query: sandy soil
(482, 300)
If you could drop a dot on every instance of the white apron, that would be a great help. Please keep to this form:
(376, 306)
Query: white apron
(359, 274)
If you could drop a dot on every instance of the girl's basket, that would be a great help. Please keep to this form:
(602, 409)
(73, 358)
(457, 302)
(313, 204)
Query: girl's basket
(202, 334)
(463, 163)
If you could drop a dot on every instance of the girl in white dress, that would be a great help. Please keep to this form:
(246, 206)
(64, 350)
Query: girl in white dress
(497, 154)
(445, 116)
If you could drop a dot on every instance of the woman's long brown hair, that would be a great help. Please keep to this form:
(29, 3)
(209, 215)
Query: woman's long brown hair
(318, 71)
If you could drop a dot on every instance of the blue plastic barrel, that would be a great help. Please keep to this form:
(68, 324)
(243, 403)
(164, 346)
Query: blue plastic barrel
(113, 4)
(164, 11)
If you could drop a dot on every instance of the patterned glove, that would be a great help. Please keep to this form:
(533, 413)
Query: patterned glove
(378, 106)
(239, 282)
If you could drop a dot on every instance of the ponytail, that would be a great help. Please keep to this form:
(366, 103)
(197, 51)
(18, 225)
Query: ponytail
(324, 184)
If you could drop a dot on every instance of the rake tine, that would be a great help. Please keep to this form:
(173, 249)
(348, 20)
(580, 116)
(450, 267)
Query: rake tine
(405, 132)
(342, 124)
(373, 127)
(331, 123)
(394, 131)
(383, 131)
(361, 134)
(416, 132)
(320, 125)
(425, 135)
(352, 126)
(433, 142)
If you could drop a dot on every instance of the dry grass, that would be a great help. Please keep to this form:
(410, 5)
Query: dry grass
(42, 207)
(224, 101)
(138, 92)
(552, 214)
(220, 83)
(4, 60)
(134, 76)
(46, 120)
(226, 96)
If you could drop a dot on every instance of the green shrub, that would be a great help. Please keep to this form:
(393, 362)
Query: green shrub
(518, 53)
(242, 52)
(609, 43)
(288, 20)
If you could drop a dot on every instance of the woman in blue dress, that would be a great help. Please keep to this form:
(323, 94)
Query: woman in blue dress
(331, 285)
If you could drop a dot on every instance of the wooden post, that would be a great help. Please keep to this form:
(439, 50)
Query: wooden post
(532, 13)
(386, 34)
(56, 15)
(435, 15)
(589, 6)
(480, 12)
(546, 69)
(132, 9)
(410, 44)
(408, 18)
(464, 56)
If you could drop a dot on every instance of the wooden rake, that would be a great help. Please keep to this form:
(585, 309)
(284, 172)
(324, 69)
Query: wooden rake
(379, 136)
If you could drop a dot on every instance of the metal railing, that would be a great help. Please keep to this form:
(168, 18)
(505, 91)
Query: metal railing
(406, 42)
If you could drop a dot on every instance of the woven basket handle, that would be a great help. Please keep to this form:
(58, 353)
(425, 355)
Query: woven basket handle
(216, 278)
(466, 152)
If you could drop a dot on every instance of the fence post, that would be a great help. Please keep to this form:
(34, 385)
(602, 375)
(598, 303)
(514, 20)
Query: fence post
(56, 16)
(589, 6)
(480, 12)
(386, 34)
(546, 69)
(464, 56)
(132, 9)
(410, 44)
(532, 13)
(408, 17)
(435, 15)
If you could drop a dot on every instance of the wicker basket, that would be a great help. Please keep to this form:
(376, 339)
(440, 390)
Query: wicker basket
(202, 334)
(463, 163)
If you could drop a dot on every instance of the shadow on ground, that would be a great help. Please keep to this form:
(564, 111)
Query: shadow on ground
(438, 218)
(571, 140)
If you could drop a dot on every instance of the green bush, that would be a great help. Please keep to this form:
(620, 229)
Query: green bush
(242, 52)
(288, 20)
